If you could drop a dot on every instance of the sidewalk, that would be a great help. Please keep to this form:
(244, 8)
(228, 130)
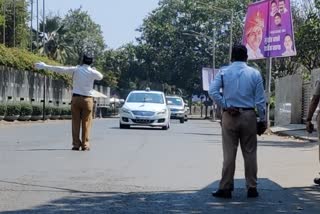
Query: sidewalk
(295, 130)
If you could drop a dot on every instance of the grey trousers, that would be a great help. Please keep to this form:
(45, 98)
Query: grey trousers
(235, 129)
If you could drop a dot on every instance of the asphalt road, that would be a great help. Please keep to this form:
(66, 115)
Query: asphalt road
(145, 170)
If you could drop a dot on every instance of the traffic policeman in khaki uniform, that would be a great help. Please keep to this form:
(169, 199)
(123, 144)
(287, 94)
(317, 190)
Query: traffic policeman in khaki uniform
(312, 108)
(82, 98)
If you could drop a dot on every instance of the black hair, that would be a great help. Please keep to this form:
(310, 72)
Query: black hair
(273, 1)
(87, 60)
(239, 53)
(282, 0)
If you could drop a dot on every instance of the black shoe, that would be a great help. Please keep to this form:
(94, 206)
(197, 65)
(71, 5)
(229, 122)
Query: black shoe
(252, 193)
(75, 148)
(220, 193)
(317, 181)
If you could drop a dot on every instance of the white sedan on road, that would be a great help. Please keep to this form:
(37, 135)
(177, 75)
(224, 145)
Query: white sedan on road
(145, 108)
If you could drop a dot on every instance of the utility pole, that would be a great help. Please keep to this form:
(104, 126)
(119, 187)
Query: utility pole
(14, 23)
(37, 34)
(268, 89)
(4, 23)
(231, 31)
(31, 26)
(44, 26)
(44, 76)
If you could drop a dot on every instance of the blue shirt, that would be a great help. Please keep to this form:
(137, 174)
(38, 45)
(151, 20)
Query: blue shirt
(242, 88)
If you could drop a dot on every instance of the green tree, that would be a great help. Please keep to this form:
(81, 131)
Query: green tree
(15, 21)
(306, 22)
(55, 44)
(83, 34)
(179, 36)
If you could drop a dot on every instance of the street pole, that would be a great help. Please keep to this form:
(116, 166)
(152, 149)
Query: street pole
(44, 77)
(44, 26)
(37, 36)
(14, 23)
(4, 23)
(31, 26)
(213, 67)
(231, 31)
(268, 89)
(213, 49)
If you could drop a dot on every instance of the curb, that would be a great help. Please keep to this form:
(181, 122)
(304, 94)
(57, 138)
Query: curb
(294, 136)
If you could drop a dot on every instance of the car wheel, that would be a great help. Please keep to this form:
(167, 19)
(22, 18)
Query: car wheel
(124, 126)
(166, 127)
(317, 181)
(182, 120)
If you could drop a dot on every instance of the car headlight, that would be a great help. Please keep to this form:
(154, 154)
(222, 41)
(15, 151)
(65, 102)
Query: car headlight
(125, 110)
(163, 111)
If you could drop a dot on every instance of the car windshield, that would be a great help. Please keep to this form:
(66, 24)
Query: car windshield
(145, 98)
(174, 101)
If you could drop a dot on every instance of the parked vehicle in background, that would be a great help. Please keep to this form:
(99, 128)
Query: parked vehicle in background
(145, 108)
(178, 108)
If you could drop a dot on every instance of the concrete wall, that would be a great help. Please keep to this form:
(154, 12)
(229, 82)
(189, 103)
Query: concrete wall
(28, 86)
(288, 103)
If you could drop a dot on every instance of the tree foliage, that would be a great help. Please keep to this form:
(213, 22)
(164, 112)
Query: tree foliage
(306, 20)
(53, 43)
(83, 34)
(179, 38)
(14, 15)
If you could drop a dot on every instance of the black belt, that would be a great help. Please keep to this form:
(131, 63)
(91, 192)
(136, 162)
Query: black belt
(242, 109)
(79, 95)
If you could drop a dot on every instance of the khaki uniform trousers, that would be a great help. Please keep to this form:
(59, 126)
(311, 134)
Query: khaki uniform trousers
(235, 129)
(81, 108)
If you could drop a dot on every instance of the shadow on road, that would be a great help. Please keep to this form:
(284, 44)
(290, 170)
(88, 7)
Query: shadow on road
(36, 150)
(204, 134)
(139, 128)
(273, 199)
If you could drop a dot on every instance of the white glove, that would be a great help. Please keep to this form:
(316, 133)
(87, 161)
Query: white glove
(40, 65)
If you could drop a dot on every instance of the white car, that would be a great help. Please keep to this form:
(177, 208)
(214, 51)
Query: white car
(145, 108)
(177, 108)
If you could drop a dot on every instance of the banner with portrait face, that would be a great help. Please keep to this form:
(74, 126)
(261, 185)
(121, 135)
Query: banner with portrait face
(268, 30)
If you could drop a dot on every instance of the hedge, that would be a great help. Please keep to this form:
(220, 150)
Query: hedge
(66, 111)
(23, 60)
(13, 109)
(37, 110)
(26, 109)
(56, 111)
(3, 109)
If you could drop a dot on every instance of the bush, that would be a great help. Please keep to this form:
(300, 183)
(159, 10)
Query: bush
(26, 109)
(24, 60)
(37, 110)
(3, 109)
(56, 111)
(48, 110)
(66, 111)
(13, 109)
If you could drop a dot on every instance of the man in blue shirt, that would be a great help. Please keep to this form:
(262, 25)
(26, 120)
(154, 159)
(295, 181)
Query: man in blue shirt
(238, 89)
